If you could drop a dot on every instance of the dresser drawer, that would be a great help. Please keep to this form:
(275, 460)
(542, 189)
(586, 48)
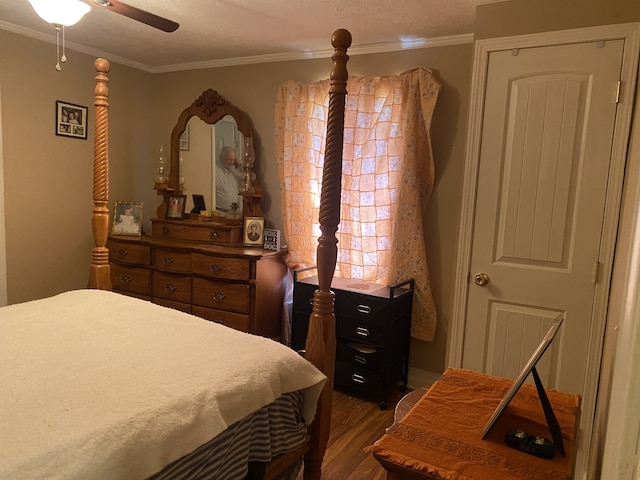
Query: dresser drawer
(364, 307)
(233, 297)
(198, 233)
(237, 321)
(171, 261)
(183, 307)
(303, 297)
(362, 330)
(131, 280)
(221, 267)
(361, 355)
(172, 287)
(129, 253)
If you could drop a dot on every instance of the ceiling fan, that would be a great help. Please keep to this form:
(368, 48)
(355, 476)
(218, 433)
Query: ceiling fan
(136, 14)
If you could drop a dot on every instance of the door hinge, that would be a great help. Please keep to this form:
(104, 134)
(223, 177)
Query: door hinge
(596, 272)
(618, 91)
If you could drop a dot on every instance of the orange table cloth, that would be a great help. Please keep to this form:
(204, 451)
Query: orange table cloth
(442, 434)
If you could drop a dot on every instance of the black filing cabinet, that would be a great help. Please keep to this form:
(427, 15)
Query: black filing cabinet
(373, 324)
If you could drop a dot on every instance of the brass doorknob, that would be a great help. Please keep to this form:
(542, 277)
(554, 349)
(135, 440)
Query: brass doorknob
(481, 279)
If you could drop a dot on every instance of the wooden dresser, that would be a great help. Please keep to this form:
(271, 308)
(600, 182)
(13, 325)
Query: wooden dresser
(241, 287)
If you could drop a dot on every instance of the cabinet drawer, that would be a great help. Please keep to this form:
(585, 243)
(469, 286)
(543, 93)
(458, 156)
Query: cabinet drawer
(303, 297)
(364, 307)
(183, 307)
(171, 261)
(172, 287)
(237, 321)
(362, 331)
(129, 253)
(233, 297)
(361, 379)
(131, 280)
(221, 267)
(365, 356)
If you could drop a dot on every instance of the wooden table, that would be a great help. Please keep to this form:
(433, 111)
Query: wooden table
(441, 435)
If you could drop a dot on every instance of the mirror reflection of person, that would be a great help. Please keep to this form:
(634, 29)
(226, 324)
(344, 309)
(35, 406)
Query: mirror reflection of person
(228, 179)
(127, 222)
(254, 231)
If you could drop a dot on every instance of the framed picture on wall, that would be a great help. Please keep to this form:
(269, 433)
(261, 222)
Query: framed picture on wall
(71, 120)
(253, 231)
(176, 207)
(127, 218)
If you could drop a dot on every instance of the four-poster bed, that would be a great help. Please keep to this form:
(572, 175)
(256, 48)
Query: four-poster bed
(52, 342)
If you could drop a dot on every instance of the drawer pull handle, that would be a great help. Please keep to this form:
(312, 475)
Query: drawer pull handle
(170, 287)
(358, 378)
(363, 308)
(122, 253)
(165, 229)
(219, 296)
(363, 332)
(215, 268)
(360, 359)
(311, 301)
(125, 279)
(213, 234)
(167, 260)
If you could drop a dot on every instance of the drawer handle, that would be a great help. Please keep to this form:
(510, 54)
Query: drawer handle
(311, 301)
(125, 279)
(360, 359)
(363, 308)
(215, 268)
(167, 260)
(358, 378)
(165, 229)
(363, 332)
(170, 287)
(122, 253)
(213, 234)
(219, 296)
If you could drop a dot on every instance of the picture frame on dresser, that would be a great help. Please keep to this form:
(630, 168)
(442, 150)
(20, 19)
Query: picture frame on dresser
(127, 218)
(176, 207)
(253, 231)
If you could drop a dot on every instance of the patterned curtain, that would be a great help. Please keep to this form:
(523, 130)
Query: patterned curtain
(387, 179)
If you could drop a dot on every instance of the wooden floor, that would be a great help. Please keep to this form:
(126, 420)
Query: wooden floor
(355, 425)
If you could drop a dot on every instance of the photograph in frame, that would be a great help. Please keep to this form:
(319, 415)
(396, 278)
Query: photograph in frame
(176, 207)
(184, 139)
(253, 231)
(71, 120)
(127, 218)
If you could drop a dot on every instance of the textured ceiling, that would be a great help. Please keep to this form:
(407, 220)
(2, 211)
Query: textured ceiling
(222, 32)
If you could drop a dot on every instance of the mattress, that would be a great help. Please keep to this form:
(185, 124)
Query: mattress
(94, 384)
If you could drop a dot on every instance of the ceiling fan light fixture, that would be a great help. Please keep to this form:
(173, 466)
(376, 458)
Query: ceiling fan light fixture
(60, 12)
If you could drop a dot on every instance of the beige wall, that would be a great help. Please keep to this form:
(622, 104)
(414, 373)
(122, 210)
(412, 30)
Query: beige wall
(47, 186)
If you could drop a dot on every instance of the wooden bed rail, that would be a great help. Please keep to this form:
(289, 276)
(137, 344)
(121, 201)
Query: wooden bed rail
(99, 270)
(321, 337)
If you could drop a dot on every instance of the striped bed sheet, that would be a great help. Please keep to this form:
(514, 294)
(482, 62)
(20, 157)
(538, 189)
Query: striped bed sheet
(274, 429)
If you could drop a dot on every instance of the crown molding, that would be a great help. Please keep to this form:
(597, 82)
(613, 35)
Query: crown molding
(227, 62)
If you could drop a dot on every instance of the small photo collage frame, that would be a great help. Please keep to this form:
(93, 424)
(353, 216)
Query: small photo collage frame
(71, 120)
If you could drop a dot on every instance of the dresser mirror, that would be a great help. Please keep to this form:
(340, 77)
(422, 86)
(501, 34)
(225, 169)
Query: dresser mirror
(208, 126)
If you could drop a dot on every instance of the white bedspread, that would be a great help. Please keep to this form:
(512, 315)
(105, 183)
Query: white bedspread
(94, 384)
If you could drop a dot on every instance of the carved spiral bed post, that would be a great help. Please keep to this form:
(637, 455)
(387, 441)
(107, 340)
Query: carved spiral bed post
(321, 338)
(99, 270)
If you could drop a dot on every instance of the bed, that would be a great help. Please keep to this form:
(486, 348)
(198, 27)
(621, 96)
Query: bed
(95, 384)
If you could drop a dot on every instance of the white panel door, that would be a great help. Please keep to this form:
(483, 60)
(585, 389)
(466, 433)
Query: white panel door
(546, 144)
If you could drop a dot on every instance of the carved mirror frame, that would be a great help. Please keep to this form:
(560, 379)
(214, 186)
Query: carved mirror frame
(210, 107)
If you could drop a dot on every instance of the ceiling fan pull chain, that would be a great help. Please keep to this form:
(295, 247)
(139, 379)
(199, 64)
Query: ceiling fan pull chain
(63, 58)
(58, 68)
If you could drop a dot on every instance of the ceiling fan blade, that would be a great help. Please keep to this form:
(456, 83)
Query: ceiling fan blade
(139, 15)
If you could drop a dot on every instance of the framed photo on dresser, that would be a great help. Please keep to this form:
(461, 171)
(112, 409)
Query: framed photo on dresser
(253, 231)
